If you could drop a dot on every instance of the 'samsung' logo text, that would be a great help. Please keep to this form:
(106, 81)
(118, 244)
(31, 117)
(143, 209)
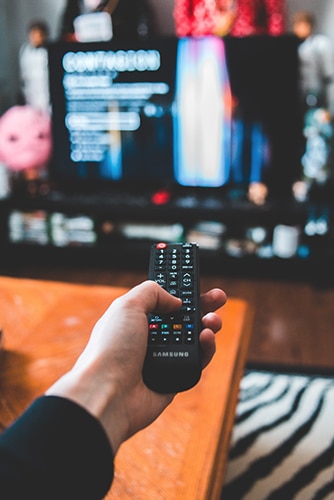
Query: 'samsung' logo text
(171, 354)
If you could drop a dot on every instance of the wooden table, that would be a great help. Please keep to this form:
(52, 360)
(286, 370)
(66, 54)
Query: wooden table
(180, 456)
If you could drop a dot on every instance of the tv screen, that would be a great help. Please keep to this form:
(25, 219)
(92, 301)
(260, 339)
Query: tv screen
(201, 113)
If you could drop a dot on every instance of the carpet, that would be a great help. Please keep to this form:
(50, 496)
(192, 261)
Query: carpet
(282, 444)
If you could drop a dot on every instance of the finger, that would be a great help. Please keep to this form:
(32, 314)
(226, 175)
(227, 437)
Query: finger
(212, 321)
(212, 300)
(208, 345)
(150, 298)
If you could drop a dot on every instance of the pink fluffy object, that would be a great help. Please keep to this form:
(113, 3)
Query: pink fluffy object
(25, 138)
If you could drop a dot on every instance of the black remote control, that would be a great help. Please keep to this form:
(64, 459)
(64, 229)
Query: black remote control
(173, 359)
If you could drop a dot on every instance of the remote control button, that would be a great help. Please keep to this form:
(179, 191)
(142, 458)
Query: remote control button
(177, 326)
(160, 266)
(189, 267)
(155, 319)
(153, 340)
(161, 279)
(172, 283)
(188, 307)
(187, 280)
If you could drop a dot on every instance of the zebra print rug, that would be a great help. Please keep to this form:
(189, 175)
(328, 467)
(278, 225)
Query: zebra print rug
(282, 444)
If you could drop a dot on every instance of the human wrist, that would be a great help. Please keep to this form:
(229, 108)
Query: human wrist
(98, 397)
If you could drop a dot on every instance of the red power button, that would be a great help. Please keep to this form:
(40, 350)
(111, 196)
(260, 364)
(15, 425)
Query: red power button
(161, 245)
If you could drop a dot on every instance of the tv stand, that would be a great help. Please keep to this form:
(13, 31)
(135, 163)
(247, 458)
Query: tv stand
(108, 228)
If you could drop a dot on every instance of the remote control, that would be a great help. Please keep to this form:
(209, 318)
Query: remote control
(173, 358)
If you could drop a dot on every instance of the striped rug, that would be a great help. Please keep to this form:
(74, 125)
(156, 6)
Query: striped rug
(282, 444)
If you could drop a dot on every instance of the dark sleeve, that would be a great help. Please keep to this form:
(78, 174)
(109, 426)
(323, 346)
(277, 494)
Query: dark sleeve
(55, 450)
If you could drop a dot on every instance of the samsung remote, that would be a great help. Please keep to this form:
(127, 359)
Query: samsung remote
(173, 358)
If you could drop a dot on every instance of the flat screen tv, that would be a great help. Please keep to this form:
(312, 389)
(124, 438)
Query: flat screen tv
(168, 112)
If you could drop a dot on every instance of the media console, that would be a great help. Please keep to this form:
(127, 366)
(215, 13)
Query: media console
(116, 229)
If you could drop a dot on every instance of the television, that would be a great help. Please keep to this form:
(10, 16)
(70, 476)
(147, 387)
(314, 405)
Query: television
(176, 112)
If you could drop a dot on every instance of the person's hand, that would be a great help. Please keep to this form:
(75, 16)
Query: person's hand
(107, 378)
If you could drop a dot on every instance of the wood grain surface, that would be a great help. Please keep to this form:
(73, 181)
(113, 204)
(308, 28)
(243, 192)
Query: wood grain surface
(182, 454)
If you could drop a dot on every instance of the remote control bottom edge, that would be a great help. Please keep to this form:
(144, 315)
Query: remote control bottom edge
(166, 383)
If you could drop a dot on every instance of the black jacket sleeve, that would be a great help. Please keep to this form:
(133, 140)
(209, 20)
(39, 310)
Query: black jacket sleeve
(55, 450)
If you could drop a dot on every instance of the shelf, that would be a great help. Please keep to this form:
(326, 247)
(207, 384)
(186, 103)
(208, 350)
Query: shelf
(110, 228)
